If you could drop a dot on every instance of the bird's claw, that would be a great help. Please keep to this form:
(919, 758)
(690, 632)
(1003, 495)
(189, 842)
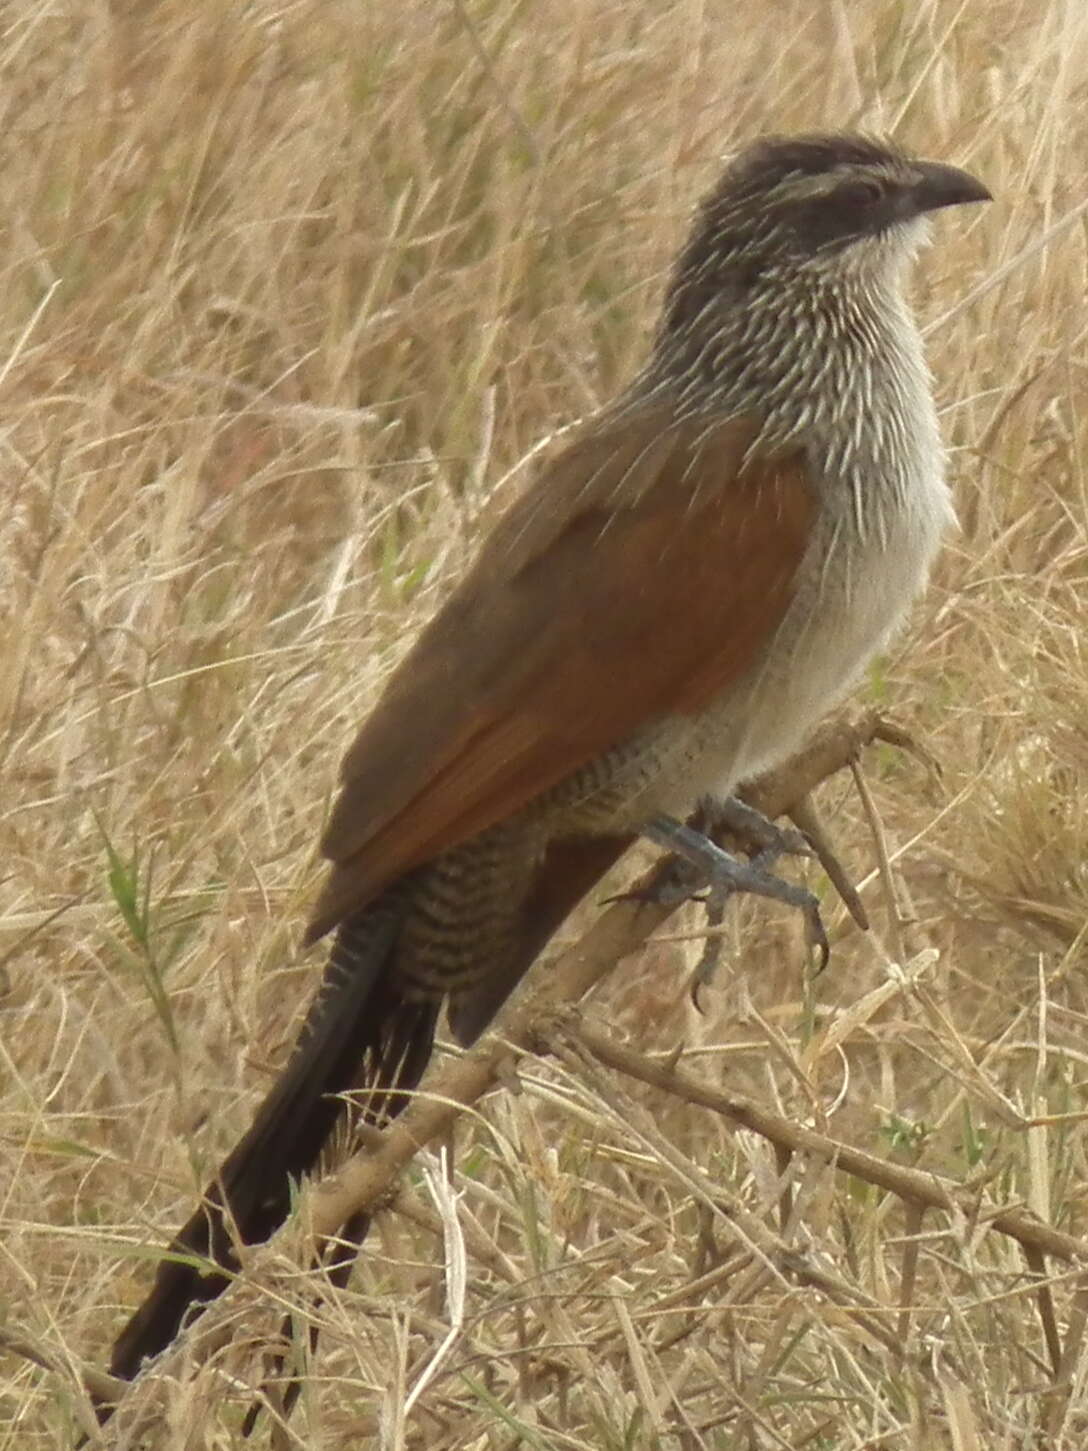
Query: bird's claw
(702, 864)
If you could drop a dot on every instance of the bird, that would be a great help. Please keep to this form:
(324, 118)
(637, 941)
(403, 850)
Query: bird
(696, 574)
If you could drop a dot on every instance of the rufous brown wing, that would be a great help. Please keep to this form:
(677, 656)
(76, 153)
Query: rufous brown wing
(638, 577)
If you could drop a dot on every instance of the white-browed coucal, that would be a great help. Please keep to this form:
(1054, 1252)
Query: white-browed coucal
(684, 590)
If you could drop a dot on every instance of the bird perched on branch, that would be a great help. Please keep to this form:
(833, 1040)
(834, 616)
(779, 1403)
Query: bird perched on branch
(683, 592)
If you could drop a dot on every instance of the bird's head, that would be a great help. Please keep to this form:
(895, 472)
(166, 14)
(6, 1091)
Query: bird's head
(813, 206)
(820, 195)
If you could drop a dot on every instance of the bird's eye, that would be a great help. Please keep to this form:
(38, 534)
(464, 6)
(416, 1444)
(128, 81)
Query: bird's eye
(860, 192)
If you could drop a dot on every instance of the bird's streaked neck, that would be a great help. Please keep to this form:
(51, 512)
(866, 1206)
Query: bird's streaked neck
(802, 347)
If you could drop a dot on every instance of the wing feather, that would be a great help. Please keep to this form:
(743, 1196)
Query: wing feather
(639, 577)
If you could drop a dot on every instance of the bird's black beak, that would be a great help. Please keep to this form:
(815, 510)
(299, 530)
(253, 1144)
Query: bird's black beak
(945, 186)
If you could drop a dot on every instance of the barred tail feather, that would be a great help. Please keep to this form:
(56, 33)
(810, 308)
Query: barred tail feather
(360, 1033)
(369, 1033)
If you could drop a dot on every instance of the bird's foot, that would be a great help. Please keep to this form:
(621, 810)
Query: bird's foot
(751, 827)
(703, 865)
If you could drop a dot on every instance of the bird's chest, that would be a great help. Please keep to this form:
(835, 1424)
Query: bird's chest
(880, 523)
(880, 526)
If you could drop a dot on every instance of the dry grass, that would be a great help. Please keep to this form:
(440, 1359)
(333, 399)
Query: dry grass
(286, 290)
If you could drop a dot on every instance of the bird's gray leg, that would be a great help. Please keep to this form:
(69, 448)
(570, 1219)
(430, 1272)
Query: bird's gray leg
(730, 813)
(710, 866)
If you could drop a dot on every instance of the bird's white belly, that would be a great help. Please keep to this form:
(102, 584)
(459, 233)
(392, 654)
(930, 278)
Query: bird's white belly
(854, 593)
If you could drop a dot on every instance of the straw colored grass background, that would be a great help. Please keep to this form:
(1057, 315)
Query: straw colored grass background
(286, 291)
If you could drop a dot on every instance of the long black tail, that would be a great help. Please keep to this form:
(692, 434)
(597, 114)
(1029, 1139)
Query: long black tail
(360, 1033)
(364, 1033)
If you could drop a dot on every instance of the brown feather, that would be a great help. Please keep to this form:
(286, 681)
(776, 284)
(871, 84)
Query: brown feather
(639, 577)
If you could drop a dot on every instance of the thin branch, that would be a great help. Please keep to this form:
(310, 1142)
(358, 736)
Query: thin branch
(930, 1190)
(884, 865)
(807, 820)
